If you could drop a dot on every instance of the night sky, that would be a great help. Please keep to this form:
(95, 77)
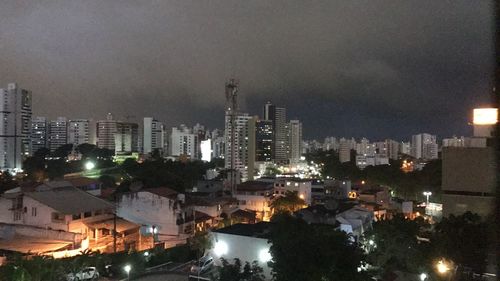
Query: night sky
(345, 68)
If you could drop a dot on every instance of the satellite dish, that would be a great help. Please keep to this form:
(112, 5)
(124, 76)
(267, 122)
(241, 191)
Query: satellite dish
(136, 186)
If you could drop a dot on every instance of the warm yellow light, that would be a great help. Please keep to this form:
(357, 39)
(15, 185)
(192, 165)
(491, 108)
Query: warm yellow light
(485, 116)
(442, 267)
(362, 182)
(301, 196)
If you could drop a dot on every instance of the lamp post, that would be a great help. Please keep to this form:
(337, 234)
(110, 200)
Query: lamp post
(427, 194)
(127, 269)
(89, 165)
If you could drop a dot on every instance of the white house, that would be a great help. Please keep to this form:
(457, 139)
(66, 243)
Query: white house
(157, 210)
(301, 186)
(255, 196)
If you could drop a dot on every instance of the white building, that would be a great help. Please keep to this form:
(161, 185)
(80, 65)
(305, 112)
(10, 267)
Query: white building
(392, 149)
(15, 127)
(246, 242)
(244, 144)
(424, 146)
(344, 150)
(39, 133)
(126, 138)
(363, 161)
(184, 142)
(405, 148)
(301, 186)
(153, 135)
(156, 210)
(454, 142)
(218, 147)
(330, 143)
(255, 196)
(106, 130)
(80, 131)
(58, 133)
(295, 141)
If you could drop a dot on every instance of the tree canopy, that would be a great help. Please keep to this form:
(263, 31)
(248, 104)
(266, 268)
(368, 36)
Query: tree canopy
(302, 251)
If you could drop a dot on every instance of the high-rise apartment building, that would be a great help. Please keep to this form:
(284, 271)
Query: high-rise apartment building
(278, 116)
(244, 144)
(424, 146)
(344, 150)
(392, 149)
(126, 138)
(183, 142)
(79, 131)
(105, 132)
(58, 133)
(294, 141)
(264, 141)
(15, 126)
(153, 135)
(39, 134)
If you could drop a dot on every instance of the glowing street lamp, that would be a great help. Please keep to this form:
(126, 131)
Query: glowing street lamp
(442, 267)
(423, 276)
(127, 269)
(89, 165)
(427, 194)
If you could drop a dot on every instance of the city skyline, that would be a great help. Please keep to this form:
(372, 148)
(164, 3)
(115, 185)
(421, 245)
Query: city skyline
(340, 78)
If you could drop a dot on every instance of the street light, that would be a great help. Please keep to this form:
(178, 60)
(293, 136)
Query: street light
(127, 269)
(427, 194)
(89, 165)
(423, 276)
(442, 267)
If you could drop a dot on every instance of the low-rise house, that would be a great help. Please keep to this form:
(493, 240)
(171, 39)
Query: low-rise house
(255, 196)
(345, 216)
(301, 186)
(71, 210)
(159, 212)
(379, 195)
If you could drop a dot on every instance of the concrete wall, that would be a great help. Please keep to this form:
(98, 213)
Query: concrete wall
(43, 217)
(243, 247)
(149, 209)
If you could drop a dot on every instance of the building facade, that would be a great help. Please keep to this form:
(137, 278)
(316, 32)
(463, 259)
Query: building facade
(294, 141)
(153, 135)
(79, 131)
(39, 134)
(105, 132)
(15, 127)
(278, 117)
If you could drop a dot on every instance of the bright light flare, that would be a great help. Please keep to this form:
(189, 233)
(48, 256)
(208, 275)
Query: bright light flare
(127, 268)
(220, 248)
(89, 165)
(442, 267)
(423, 276)
(264, 255)
(485, 116)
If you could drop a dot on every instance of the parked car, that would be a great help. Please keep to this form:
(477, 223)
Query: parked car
(88, 273)
(203, 265)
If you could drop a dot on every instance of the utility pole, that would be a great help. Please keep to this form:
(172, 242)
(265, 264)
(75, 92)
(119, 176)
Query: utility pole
(114, 227)
(232, 111)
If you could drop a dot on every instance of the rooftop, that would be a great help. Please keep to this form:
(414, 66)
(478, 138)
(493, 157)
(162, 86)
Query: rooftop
(258, 230)
(69, 200)
(255, 186)
(162, 191)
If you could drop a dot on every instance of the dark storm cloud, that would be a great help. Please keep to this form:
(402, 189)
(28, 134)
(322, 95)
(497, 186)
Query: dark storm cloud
(361, 68)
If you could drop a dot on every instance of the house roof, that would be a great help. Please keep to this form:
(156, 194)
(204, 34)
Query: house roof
(162, 191)
(121, 224)
(259, 230)
(26, 244)
(69, 200)
(247, 214)
(82, 181)
(254, 186)
(201, 217)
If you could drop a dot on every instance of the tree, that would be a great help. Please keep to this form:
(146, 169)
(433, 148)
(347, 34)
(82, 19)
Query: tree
(235, 272)
(465, 239)
(393, 245)
(288, 203)
(200, 242)
(63, 151)
(312, 252)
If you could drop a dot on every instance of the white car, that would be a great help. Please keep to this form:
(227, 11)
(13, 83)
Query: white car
(204, 264)
(88, 273)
